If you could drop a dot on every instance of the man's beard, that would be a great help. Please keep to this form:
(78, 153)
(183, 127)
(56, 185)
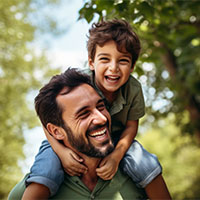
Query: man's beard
(87, 148)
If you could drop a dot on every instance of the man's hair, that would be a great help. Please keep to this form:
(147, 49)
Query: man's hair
(46, 106)
(118, 30)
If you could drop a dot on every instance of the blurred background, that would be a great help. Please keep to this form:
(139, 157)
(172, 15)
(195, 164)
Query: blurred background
(41, 38)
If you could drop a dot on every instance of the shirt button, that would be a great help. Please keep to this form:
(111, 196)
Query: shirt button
(92, 197)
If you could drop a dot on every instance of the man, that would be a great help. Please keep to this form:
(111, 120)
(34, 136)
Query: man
(73, 113)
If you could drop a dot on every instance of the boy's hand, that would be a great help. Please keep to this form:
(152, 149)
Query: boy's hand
(108, 167)
(71, 163)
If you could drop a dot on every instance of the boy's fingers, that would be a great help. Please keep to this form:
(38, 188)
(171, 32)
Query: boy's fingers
(79, 168)
(102, 163)
(82, 169)
(76, 157)
(107, 176)
(102, 169)
(76, 171)
(72, 173)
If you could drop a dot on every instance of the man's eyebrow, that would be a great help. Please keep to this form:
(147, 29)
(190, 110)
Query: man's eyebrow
(81, 109)
(85, 107)
(100, 101)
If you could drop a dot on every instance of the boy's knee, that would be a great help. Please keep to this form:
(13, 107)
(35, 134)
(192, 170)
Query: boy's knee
(140, 165)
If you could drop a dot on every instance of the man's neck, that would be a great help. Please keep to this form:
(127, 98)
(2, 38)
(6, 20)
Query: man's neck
(90, 178)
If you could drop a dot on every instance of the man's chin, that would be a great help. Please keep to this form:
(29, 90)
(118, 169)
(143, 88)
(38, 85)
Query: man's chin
(105, 150)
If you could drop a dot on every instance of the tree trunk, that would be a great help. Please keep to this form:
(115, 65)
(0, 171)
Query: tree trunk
(192, 105)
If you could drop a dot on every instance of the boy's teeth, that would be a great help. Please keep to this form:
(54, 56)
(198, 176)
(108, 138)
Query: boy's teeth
(112, 78)
(98, 133)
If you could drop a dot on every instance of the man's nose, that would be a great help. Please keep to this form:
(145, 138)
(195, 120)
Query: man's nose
(99, 117)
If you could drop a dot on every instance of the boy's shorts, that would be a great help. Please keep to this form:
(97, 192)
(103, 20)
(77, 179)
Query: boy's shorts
(137, 163)
(140, 165)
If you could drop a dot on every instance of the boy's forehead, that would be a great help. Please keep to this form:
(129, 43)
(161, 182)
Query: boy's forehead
(120, 48)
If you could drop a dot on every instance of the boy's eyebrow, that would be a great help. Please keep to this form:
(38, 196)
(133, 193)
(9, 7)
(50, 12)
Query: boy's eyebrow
(107, 54)
(103, 54)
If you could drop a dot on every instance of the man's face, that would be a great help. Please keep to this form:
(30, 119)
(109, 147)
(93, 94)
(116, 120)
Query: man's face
(87, 122)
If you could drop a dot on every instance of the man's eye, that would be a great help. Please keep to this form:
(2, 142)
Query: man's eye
(84, 115)
(101, 107)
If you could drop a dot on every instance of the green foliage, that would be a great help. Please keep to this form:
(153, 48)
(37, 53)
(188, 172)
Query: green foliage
(178, 155)
(19, 69)
(169, 31)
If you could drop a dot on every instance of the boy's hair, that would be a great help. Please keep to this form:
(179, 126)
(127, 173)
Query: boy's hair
(118, 30)
(46, 106)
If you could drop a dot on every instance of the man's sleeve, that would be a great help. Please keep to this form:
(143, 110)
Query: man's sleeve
(17, 192)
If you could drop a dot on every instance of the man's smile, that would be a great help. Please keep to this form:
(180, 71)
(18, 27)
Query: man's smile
(98, 133)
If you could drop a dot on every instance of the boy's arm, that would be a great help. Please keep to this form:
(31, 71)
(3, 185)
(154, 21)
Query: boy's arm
(126, 138)
(109, 164)
(71, 162)
(36, 191)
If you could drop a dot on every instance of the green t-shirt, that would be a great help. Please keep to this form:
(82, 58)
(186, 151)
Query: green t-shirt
(120, 187)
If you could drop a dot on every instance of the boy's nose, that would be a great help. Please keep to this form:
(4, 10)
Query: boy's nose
(114, 67)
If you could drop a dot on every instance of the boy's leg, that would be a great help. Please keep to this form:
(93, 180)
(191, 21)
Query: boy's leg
(145, 170)
(47, 169)
(140, 165)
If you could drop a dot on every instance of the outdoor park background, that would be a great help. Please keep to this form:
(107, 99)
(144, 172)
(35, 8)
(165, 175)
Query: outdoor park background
(41, 38)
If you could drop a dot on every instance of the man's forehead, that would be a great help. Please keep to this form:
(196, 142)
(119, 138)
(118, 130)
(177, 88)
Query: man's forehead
(78, 96)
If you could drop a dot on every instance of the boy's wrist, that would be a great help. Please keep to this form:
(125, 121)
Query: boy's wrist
(117, 155)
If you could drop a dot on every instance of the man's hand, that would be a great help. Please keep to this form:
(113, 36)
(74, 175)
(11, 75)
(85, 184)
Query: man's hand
(108, 167)
(71, 163)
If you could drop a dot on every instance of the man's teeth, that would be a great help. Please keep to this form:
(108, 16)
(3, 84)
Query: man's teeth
(98, 133)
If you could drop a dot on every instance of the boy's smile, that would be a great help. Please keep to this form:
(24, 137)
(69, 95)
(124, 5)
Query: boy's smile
(112, 68)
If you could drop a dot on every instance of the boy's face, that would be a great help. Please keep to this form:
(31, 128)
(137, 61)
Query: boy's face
(112, 67)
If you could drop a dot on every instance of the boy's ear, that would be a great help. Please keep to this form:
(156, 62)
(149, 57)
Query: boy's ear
(91, 63)
(56, 131)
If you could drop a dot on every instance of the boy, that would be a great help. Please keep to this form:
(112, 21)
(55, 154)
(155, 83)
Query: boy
(113, 49)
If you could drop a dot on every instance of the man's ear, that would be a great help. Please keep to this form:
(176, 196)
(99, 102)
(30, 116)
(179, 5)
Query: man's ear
(56, 131)
(91, 63)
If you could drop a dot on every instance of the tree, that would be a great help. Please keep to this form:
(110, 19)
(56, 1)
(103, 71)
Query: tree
(20, 72)
(177, 154)
(169, 61)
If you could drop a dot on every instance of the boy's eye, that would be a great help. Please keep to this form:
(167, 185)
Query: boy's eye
(103, 59)
(124, 61)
